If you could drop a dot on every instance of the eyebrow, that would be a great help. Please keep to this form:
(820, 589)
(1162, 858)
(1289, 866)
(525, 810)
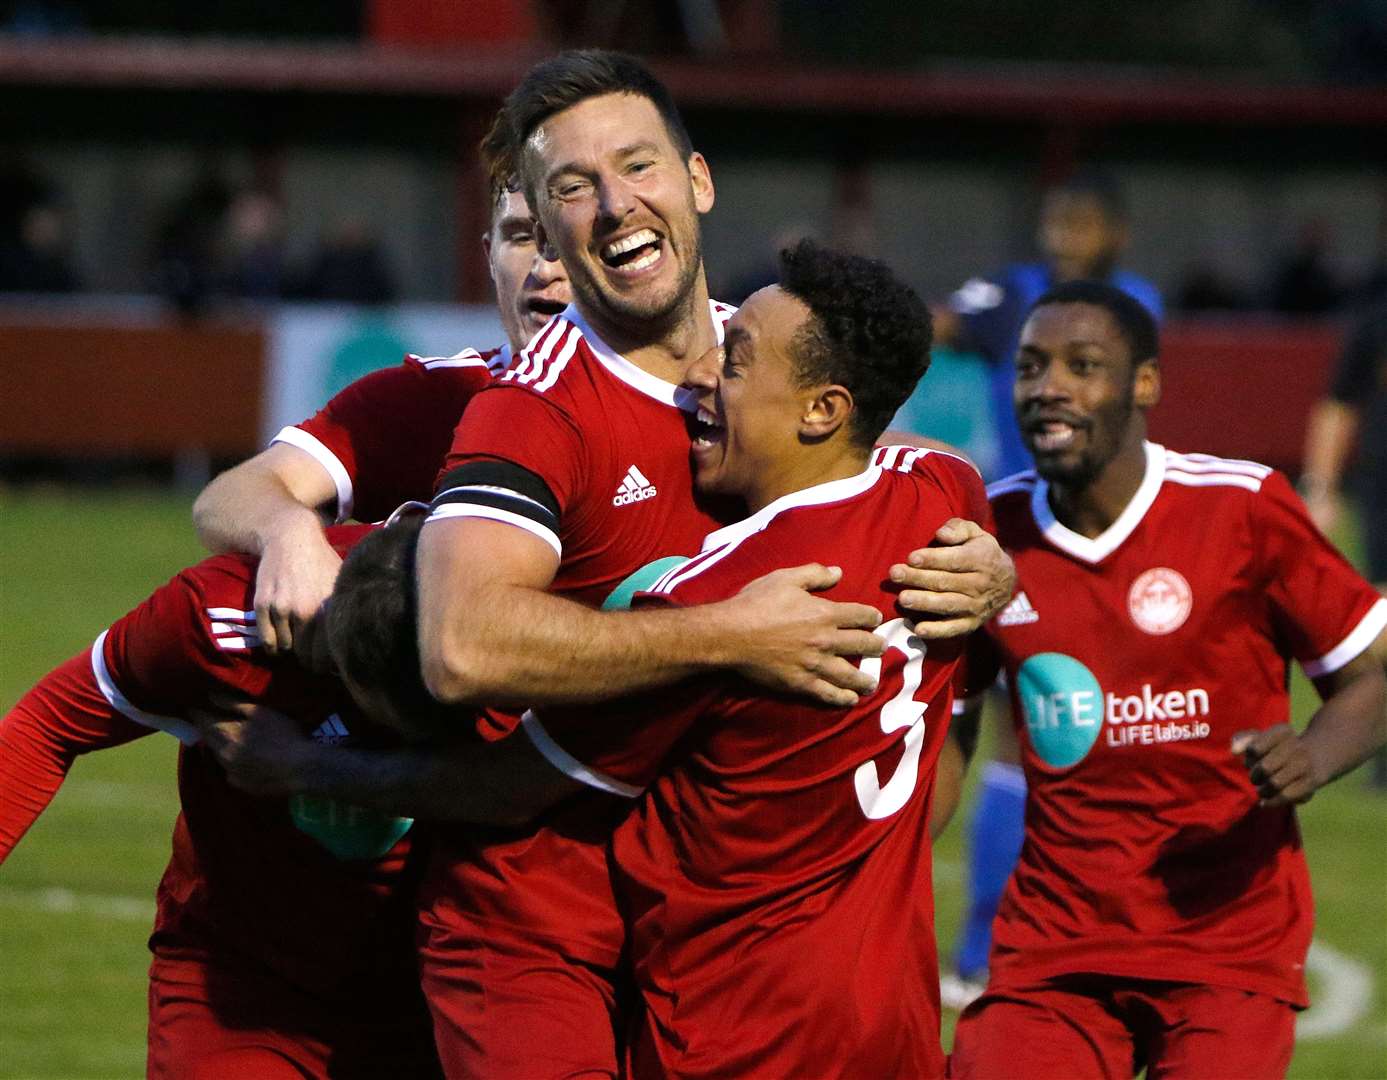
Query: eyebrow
(1081, 343)
(643, 147)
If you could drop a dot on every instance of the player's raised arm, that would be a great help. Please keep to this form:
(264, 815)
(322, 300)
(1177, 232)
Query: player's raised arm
(275, 506)
(488, 632)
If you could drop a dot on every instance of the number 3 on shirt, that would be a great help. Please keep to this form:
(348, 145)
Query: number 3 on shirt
(902, 711)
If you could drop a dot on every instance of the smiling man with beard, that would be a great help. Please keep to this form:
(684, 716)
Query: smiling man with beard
(566, 475)
(1160, 912)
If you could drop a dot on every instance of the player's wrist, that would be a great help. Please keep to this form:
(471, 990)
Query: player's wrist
(712, 638)
(290, 529)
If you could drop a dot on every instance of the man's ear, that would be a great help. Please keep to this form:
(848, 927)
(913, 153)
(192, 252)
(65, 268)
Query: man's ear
(1146, 386)
(702, 181)
(827, 412)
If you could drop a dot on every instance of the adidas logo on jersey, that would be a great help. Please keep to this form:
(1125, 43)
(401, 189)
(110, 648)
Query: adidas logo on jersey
(1018, 613)
(634, 488)
(330, 732)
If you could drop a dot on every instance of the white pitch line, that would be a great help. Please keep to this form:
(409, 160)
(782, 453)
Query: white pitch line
(1344, 997)
(57, 900)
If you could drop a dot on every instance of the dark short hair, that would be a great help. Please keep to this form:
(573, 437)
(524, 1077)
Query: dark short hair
(869, 332)
(1134, 322)
(1099, 185)
(497, 152)
(563, 81)
(372, 624)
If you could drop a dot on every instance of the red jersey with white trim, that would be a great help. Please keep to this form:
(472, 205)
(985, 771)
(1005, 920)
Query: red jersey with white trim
(383, 438)
(1132, 659)
(319, 894)
(776, 874)
(610, 443)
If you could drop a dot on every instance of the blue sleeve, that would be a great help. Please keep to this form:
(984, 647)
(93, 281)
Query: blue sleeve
(993, 308)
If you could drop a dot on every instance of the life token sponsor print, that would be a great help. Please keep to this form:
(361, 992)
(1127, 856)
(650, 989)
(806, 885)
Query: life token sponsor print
(1067, 711)
(1160, 600)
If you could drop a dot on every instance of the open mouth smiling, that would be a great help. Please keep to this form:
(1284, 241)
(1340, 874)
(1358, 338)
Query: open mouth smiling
(1052, 434)
(639, 251)
(706, 429)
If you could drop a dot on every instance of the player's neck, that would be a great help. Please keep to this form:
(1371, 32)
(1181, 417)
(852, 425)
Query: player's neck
(667, 347)
(809, 468)
(1091, 509)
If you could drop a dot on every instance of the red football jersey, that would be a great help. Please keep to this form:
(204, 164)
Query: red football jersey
(1132, 659)
(383, 438)
(776, 875)
(611, 444)
(319, 894)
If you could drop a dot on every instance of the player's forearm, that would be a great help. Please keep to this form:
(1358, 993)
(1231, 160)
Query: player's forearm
(1329, 438)
(954, 758)
(249, 507)
(948, 787)
(62, 717)
(1351, 725)
(472, 782)
(516, 646)
(31, 771)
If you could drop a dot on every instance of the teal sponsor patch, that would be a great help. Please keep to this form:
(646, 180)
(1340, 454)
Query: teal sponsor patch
(349, 832)
(1063, 706)
(619, 599)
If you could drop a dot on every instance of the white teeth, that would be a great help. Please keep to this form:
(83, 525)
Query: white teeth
(629, 243)
(707, 417)
(645, 260)
(1054, 436)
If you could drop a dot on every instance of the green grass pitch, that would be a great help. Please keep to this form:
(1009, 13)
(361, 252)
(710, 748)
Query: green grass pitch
(77, 896)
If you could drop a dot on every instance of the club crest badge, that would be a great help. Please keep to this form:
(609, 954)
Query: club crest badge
(1160, 600)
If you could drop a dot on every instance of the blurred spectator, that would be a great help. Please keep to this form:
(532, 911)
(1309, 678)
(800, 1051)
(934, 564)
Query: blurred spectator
(1304, 281)
(1356, 40)
(350, 266)
(1082, 234)
(253, 263)
(1355, 410)
(37, 260)
(1204, 287)
(41, 18)
(33, 234)
(767, 271)
(185, 245)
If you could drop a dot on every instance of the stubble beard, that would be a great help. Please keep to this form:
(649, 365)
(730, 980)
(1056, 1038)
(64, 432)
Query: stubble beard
(1078, 474)
(643, 313)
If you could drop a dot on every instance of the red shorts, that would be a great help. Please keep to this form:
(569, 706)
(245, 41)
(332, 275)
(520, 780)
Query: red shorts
(505, 1007)
(1077, 1027)
(208, 1022)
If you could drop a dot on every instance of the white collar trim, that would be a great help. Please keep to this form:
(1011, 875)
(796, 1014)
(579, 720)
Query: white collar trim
(637, 377)
(830, 492)
(1098, 548)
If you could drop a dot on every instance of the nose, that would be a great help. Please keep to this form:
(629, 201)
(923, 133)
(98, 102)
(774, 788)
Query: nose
(545, 268)
(614, 199)
(702, 374)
